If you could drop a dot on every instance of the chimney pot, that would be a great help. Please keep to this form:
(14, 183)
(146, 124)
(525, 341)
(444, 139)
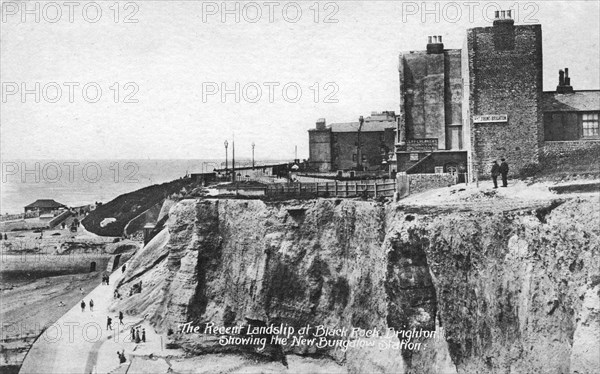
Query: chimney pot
(497, 14)
(503, 13)
(440, 38)
(509, 14)
(429, 40)
(566, 72)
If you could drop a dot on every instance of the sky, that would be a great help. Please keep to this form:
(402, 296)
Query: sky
(147, 77)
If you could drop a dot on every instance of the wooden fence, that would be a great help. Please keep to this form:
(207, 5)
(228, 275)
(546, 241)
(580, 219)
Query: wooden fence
(382, 188)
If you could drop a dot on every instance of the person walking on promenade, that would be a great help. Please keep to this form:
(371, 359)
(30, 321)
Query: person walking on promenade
(108, 323)
(82, 306)
(132, 334)
(137, 335)
(121, 318)
(504, 172)
(144, 335)
(495, 173)
(91, 305)
(122, 358)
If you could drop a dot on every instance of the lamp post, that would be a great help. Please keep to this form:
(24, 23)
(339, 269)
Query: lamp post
(253, 145)
(358, 155)
(226, 145)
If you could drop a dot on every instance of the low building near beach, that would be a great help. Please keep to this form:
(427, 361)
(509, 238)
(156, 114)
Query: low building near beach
(44, 206)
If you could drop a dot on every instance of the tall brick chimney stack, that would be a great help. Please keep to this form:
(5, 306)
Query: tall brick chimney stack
(435, 45)
(504, 30)
(503, 17)
(564, 82)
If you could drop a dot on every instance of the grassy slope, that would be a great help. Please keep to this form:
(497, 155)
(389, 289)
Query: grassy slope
(127, 206)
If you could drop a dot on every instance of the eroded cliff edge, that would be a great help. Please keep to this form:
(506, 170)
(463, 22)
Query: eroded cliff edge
(511, 290)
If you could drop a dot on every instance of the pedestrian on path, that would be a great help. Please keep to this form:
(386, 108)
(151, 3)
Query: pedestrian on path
(132, 334)
(82, 306)
(108, 323)
(137, 335)
(504, 172)
(123, 268)
(495, 173)
(121, 318)
(91, 305)
(144, 335)
(122, 358)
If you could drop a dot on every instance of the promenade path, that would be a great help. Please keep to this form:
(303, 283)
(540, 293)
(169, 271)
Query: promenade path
(80, 343)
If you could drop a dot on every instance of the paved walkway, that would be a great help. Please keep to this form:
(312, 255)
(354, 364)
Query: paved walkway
(80, 343)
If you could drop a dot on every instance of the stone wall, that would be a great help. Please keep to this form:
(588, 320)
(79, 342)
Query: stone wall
(561, 147)
(423, 182)
(506, 78)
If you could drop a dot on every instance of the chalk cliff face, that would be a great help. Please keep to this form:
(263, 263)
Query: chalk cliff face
(515, 291)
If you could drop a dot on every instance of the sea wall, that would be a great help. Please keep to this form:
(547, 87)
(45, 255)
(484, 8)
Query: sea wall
(515, 291)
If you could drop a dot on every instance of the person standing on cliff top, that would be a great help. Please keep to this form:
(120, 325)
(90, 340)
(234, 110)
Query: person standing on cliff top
(504, 172)
(495, 173)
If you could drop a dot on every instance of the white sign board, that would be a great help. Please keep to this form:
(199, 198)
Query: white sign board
(490, 118)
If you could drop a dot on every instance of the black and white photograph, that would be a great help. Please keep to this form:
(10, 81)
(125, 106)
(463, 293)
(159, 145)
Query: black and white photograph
(308, 186)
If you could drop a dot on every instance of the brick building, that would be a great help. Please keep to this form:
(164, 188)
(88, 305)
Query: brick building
(571, 118)
(430, 126)
(460, 109)
(353, 145)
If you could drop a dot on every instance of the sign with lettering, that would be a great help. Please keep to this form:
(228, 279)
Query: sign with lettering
(427, 145)
(490, 118)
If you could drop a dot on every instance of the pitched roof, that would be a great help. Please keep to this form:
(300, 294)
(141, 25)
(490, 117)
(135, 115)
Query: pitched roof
(45, 203)
(578, 101)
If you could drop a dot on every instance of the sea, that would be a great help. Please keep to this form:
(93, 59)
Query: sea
(80, 182)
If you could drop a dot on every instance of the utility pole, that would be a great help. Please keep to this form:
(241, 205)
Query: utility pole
(226, 145)
(233, 160)
(358, 155)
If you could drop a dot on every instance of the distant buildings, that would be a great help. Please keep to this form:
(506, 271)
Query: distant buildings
(352, 145)
(44, 206)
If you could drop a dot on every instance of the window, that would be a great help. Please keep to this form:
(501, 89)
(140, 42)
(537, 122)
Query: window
(590, 124)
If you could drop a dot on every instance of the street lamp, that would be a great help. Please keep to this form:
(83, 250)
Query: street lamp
(358, 155)
(253, 154)
(226, 145)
